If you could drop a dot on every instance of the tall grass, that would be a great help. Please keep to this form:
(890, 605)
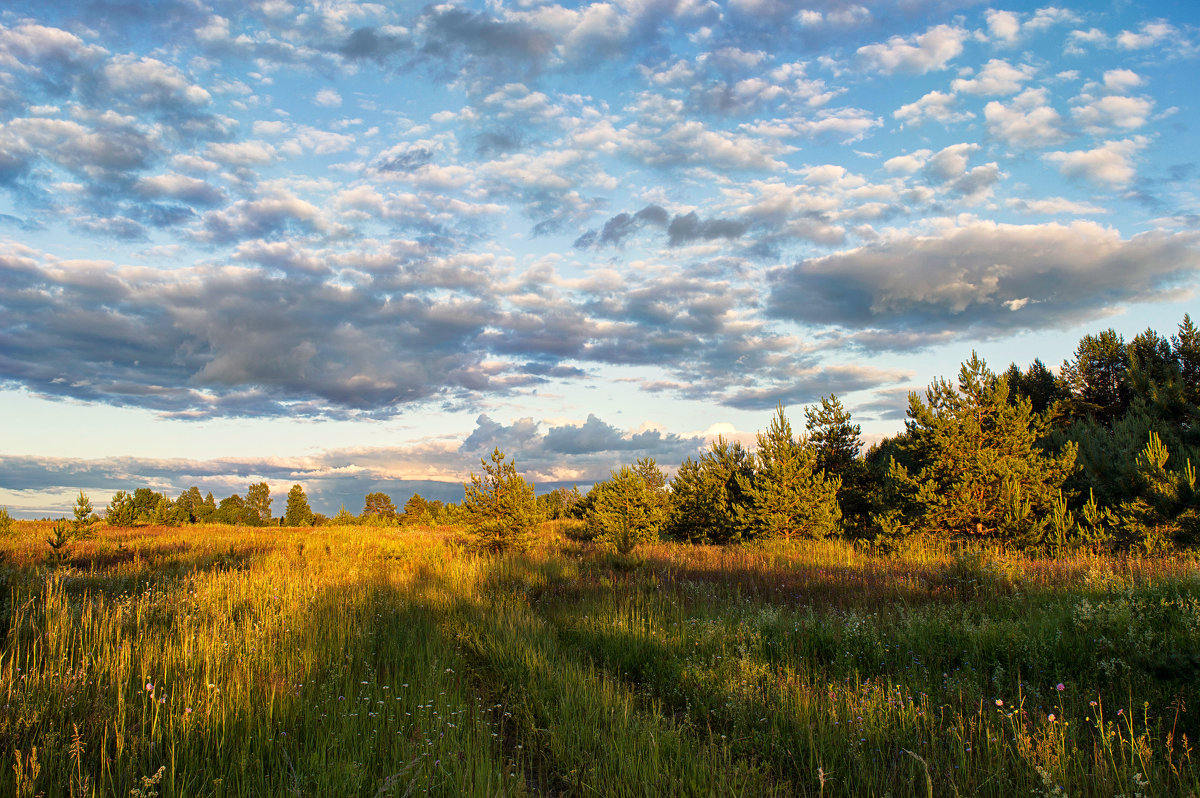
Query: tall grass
(352, 661)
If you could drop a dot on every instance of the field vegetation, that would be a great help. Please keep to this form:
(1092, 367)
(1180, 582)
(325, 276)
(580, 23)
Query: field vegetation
(402, 661)
(1001, 600)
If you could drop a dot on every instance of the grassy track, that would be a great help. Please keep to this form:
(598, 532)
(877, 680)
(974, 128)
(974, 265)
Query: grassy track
(351, 661)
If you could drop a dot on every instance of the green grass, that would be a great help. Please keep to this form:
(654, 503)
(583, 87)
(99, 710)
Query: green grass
(352, 661)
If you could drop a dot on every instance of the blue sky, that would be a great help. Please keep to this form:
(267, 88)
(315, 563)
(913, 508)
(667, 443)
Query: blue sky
(357, 245)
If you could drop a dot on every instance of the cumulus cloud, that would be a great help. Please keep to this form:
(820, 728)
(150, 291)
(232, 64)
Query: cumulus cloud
(1111, 165)
(1004, 26)
(1028, 121)
(327, 98)
(936, 105)
(931, 50)
(1150, 34)
(997, 77)
(983, 279)
(1099, 115)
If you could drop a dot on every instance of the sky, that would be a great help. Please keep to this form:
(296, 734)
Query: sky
(357, 246)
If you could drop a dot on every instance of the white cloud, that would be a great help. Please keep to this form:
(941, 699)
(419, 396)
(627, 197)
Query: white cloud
(1110, 164)
(950, 162)
(931, 50)
(1150, 35)
(150, 83)
(1004, 26)
(1076, 40)
(934, 105)
(1027, 122)
(327, 98)
(241, 153)
(997, 77)
(907, 164)
(1053, 206)
(1097, 115)
(1121, 80)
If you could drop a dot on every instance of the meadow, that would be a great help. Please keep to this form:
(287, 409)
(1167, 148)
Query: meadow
(357, 661)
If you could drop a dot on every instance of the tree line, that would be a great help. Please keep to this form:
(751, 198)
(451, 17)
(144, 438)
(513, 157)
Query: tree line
(1099, 455)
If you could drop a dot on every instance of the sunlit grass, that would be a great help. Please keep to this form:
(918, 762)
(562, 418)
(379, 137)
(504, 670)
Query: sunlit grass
(356, 661)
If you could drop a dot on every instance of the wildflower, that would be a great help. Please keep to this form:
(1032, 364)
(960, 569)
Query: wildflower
(149, 687)
(999, 702)
(1060, 687)
(187, 711)
(1050, 717)
(1120, 712)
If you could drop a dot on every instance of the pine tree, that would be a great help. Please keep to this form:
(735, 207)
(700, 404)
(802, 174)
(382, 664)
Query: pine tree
(789, 496)
(978, 469)
(706, 494)
(835, 439)
(838, 444)
(121, 510)
(1097, 377)
(298, 513)
(83, 512)
(627, 509)
(499, 506)
(206, 509)
(379, 506)
(1037, 384)
(1185, 345)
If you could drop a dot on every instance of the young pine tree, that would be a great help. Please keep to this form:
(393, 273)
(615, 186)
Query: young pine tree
(499, 506)
(788, 496)
(706, 495)
(837, 442)
(627, 509)
(979, 471)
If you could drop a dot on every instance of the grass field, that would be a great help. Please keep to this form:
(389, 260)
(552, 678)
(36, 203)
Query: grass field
(354, 661)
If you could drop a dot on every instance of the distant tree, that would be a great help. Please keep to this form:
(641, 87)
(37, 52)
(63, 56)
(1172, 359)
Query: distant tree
(1098, 377)
(163, 512)
(789, 496)
(6, 523)
(1185, 346)
(145, 502)
(627, 509)
(121, 510)
(1037, 384)
(83, 513)
(188, 507)
(707, 493)
(258, 499)
(552, 506)
(298, 512)
(837, 441)
(416, 511)
(234, 510)
(379, 506)
(979, 471)
(499, 506)
(344, 517)
(1150, 355)
(206, 509)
